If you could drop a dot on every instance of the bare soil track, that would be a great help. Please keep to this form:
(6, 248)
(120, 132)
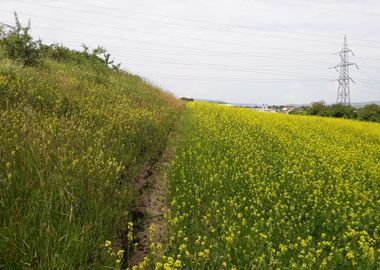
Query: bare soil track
(152, 184)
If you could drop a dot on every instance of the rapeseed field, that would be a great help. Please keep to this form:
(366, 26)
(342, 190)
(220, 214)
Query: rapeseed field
(251, 190)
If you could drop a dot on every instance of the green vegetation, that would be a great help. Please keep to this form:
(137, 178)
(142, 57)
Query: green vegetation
(186, 99)
(75, 131)
(370, 112)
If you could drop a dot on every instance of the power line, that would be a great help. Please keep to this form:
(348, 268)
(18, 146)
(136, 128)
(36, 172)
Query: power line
(325, 8)
(157, 60)
(369, 88)
(183, 37)
(160, 60)
(226, 24)
(254, 80)
(202, 52)
(181, 25)
(202, 21)
(125, 52)
(175, 62)
(154, 43)
(162, 44)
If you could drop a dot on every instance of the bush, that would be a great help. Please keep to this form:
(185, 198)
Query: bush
(19, 45)
(370, 113)
(316, 108)
(339, 111)
(186, 99)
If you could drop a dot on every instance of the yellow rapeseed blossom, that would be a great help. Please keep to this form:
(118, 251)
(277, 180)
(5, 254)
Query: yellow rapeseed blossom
(251, 190)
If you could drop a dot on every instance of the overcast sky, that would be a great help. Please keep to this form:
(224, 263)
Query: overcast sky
(247, 51)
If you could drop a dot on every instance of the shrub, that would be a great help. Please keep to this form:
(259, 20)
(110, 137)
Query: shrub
(370, 113)
(19, 44)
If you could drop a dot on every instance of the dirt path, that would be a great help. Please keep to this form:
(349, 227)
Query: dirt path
(153, 185)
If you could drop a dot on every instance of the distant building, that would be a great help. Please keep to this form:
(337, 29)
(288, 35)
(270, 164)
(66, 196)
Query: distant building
(287, 110)
(265, 110)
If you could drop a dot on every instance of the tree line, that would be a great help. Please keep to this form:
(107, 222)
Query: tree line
(370, 112)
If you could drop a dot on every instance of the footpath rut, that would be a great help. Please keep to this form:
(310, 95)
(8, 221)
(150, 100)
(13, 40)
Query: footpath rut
(151, 206)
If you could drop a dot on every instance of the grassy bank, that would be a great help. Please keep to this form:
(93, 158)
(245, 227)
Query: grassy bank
(73, 135)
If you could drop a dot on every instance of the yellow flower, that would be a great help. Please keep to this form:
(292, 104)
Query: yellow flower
(350, 255)
(108, 243)
(120, 253)
(182, 247)
(177, 263)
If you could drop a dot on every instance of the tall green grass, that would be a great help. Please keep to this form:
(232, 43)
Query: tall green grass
(72, 138)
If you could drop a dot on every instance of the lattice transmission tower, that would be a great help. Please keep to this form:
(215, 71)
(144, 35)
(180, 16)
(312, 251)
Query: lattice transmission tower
(344, 79)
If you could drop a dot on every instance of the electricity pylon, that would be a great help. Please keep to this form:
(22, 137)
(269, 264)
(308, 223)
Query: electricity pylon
(344, 79)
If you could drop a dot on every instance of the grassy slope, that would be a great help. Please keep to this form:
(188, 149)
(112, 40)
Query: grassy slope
(72, 137)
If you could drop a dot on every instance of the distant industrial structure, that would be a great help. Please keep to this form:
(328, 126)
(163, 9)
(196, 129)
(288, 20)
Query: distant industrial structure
(274, 108)
(264, 107)
(344, 79)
